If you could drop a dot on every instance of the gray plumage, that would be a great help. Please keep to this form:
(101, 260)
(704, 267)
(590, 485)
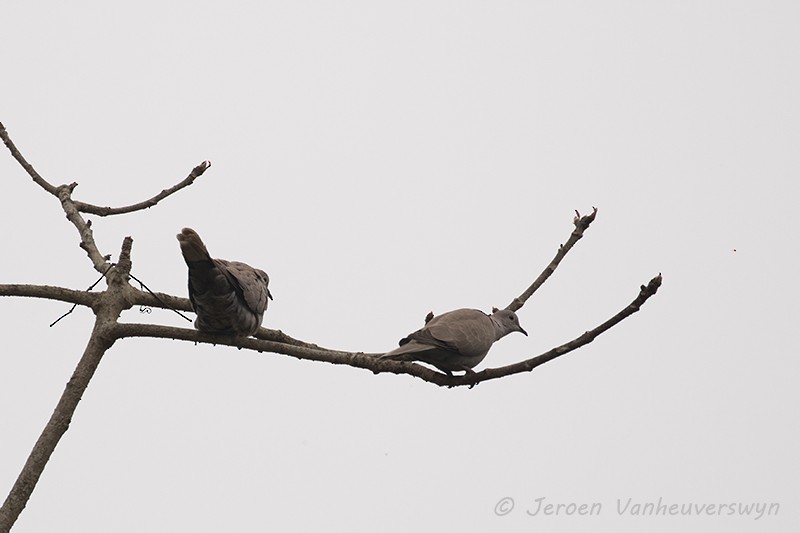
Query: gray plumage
(228, 297)
(457, 340)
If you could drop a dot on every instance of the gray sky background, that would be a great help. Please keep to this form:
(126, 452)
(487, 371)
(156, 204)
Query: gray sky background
(382, 160)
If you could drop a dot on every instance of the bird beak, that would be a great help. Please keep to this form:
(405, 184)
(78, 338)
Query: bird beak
(523, 331)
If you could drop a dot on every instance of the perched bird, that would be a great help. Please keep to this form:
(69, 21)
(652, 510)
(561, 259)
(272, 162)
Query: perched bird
(457, 340)
(228, 297)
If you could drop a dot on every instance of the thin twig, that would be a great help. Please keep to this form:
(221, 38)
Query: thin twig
(71, 309)
(106, 211)
(16, 154)
(95, 209)
(581, 224)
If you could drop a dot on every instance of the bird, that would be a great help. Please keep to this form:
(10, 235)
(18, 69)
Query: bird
(456, 340)
(228, 297)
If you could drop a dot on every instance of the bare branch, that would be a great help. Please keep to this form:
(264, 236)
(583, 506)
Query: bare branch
(64, 194)
(108, 307)
(120, 295)
(160, 300)
(276, 341)
(73, 208)
(84, 207)
(54, 293)
(301, 350)
(645, 292)
(100, 262)
(279, 336)
(50, 292)
(266, 340)
(55, 428)
(106, 211)
(368, 361)
(581, 224)
(22, 161)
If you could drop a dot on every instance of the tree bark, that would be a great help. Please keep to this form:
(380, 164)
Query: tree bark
(58, 424)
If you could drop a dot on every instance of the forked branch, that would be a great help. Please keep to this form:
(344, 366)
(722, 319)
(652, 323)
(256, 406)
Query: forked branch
(83, 207)
(272, 341)
(120, 295)
(74, 208)
(107, 306)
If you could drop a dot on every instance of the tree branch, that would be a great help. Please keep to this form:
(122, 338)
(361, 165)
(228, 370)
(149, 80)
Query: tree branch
(64, 194)
(645, 292)
(107, 307)
(160, 300)
(301, 350)
(265, 340)
(120, 295)
(44, 184)
(50, 292)
(100, 262)
(106, 211)
(277, 335)
(84, 207)
(581, 224)
(55, 428)
(368, 361)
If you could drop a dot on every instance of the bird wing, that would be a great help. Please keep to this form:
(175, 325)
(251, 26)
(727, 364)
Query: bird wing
(467, 332)
(251, 284)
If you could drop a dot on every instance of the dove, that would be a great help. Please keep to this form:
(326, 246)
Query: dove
(228, 297)
(456, 340)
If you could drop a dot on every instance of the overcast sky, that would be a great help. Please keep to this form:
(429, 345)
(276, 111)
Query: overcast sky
(382, 160)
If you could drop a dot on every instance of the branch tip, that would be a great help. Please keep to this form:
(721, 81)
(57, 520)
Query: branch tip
(200, 169)
(146, 204)
(581, 224)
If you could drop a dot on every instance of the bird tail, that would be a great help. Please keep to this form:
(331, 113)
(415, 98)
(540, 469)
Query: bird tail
(396, 357)
(192, 246)
(406, 352)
